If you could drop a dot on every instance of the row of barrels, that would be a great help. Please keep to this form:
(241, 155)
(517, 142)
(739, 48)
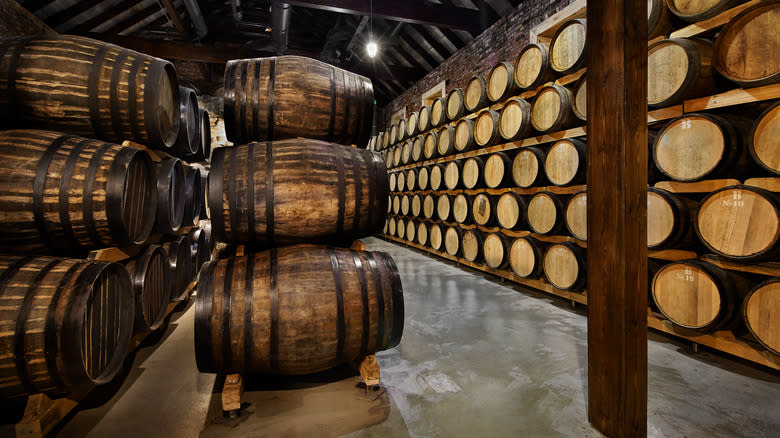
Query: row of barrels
(67, 323)
(737, 222)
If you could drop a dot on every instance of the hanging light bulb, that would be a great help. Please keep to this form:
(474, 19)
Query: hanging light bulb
(371, 49)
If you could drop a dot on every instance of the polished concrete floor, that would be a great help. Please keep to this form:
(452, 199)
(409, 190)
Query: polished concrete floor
(478, 359)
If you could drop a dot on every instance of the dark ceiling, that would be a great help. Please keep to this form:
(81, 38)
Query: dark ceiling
(414, 36)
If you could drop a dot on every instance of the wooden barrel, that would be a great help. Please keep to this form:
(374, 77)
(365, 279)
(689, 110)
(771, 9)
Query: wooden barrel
(515, 120)
(475, 94)
(697, 146)
(422, 178)
(678, 69)
(192, 196)
(392, 180)
(497, 170)
(696, 295)
(761, 312)
(90, 88)
(388, 154)
(532, 67)
(471, 175)
(545, 212)
(188, 139)
(444, 207)
(580, 103)
(452, 174)
(171, 192)
(471, 245)
(668, 219)
(400, 230)
(205, 213)
(430, 144)
(740, 222)
(405, 205)
(385, 230)
(411, 124)
(385, 136)
(396, 204)
(209, 242)
(180, 265)
(495, 247)
(424, 119)
(151, 281)
(445, 141)
(397, 154)
(265, 100)
(659, 20)
(501, 82)
(392, 226)
(564, 163)
(565, 266)
(551, 110)
(486, 128)
(393, 134)
(511, 211)
(417, 149)
(406, 152)
(402, 130)
(411, 180)
(67, 194)
(693, 11)
(411, 230)
(438, 111)
(204, 150)
(422, 233)
(455, 104)
(436, 177)
(429, 206)
(201, 251)
(255, 196)
(258, 314)
(461, 208)
(66, 324)
(452, 241)
(762, 141)
(525, 257)
(576, 215)
(436, 237)
(482, 210)
(747, 47)
(463, 140)
(567, 47)
(380, 140)
(528, 167)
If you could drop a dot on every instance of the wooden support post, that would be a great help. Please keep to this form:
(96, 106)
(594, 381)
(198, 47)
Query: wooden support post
(232, 392)
(42, 414)
(617, 217)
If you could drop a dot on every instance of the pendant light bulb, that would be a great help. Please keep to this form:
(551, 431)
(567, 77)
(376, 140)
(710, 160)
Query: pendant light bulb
(372, 48)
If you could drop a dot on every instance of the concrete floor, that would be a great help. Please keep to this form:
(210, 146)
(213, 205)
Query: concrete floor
(478, 359)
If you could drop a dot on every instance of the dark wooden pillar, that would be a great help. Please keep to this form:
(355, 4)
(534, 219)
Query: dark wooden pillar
(617, 216)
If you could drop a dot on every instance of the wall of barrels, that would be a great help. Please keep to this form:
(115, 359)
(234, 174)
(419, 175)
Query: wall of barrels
(493, 175)
(103, 227)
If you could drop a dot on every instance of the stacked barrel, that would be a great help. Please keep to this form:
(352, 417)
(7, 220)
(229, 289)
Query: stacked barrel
(494, 177)
(78, 175)
(289, 298)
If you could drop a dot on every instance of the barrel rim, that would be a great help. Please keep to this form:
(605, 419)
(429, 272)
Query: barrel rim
(566, 215)
(140, 265)
(694, 57)
(116, 187)
(204, 358)
(170, 178)
(743, 312)
(159, 138)
(752, 135)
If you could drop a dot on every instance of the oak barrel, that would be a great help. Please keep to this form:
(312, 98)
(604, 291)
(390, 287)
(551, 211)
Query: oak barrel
(463, 140)
(397, 154)
(528, 167)
(515, 120)
(511, 211)
(762, 141)
(497, 170)
(430, 145)
(204, 150)
(668, 219)
(495, 247)
(422, 178)
(678, 69)
(452, 175)
(532, 67)
(392, 178)
(483, 210)
(66, 324)
(471, 245)
(567, 47)
(292, 96)
(740, 222)
(411, 124)
(659, 20)
(564, 163)
(452, 241)
(90, 88)
(255, 196)
(438, 111)
(761, 312)
(67, 194)
(405, 205)
(545, 213)
(171, 192)
(392, 226)
(501, 82)
(402, 135)
(461, 208)
(455, 104)
(411, 230)
(552, 109)
(150, 277)
(411, 180)
(436, 177)
(396, 204)
(486, 128)
(422, 233)
(576, 215)
(443, 207)
(475, 94)
(565, 266)
(192, 195)
(429, 206)
(525, 257)
(400, 230)
(393, 134)
(445, 140)
(580, 103)
(180, 265)
(200, 250)
(698, 10)
(188, 139)
(274, 312)
(417, 148)
(406, 152)
(435, 237)
(473, 169)
(424, 119)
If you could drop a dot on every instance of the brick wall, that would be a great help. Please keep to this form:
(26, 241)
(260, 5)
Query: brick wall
(500, 42)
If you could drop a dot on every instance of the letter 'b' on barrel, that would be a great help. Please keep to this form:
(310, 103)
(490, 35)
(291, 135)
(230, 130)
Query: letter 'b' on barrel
(296, 310)
(292, 96)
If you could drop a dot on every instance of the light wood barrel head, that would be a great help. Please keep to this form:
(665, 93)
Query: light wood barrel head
(473, 93)
(687, 295)
(689, 148)
(422, 233)
(692, 7)
(429, 145)
(495, 170)
(411, 124)
(411, 230)
(498, 82)
(422, 178)
(523, 257)
(392, 179)
(443, 207)
(667, 70)
(762, 314)
(401, 229)
(411, 179)
(388, 153)
(542, 213)
(429, 206)
(455, 104)
(438, 112)
(406, 152)
(397, 155)
(748, 48)
(738, 222)
(765, 140)
(508, 211)
(577, 216)
(400, 181)
(436, 177)
(386, 227)
(405, 205)
(525, 168)
(416, 205)
(580, 104)
(396, 204)
(567, 47)
(417, 148)
(435, 237)
(546, 109)
(471, 245)
(452, 175)
(445, 140)
(494, 250)
(529, 66)
(402, 130)
(660, 219)
(389, 203)
(561, 266)
(562, 163)
(515, 119)
(472, 172)
(424, 118)
(393, 133)
(481, 209)
(464, 134)
(392, 225)
(484, 127)
(460, 208)
(452, 241)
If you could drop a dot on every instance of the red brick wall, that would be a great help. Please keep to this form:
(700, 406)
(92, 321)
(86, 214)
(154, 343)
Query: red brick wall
(500, 42)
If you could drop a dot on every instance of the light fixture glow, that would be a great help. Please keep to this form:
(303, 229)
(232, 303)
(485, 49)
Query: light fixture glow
(371, 49)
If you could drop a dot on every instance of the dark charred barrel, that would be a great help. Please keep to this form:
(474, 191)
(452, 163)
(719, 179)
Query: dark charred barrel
(89, 88)
(292, 96)
(188, 140)
(192, 196)
(151, 279)
(180, 265)
(171, 193)
(269, 313)
(204, 188)
(66, 194)
(201, 249)
(66, 324)
(204, 150)
(255, 195)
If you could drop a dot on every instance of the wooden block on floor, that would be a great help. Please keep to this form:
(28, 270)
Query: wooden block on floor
(42, 414)
(232, 392)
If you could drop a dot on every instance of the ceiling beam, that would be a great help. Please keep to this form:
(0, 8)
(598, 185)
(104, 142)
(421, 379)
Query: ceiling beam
(134, 19)
(59, 18)
(179, 50)
(101, 18)
(409, 11)
(174, 16)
